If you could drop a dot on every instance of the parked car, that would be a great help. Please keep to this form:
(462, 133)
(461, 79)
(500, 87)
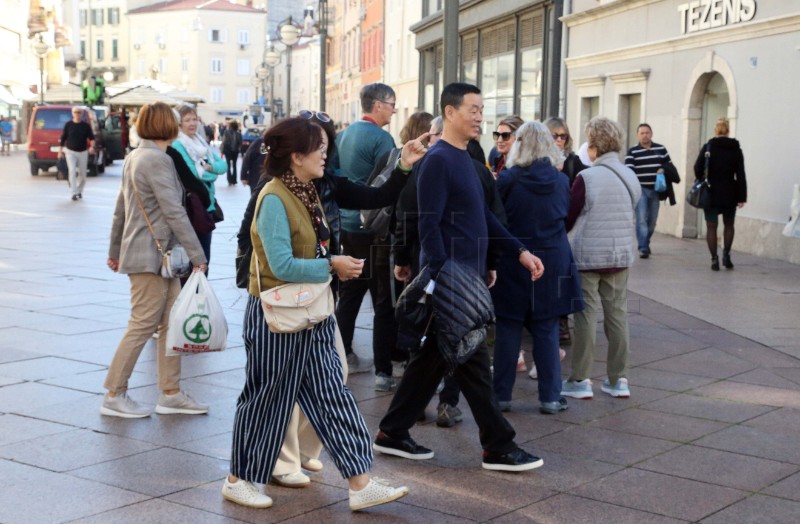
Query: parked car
(44, 136)
(115, 136)
(250, 135)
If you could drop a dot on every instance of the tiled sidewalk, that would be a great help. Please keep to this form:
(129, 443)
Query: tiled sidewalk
(709, 434)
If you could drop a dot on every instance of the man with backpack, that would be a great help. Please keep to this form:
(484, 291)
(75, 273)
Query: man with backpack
(359, 147)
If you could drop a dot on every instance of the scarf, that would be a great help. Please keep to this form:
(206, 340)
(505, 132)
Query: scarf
(307, 194)
(197, 149)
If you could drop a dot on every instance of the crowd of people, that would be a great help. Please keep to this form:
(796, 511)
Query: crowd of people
(521, 241)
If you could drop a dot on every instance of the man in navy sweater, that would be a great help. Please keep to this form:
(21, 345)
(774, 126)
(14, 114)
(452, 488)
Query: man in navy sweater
(456, 223)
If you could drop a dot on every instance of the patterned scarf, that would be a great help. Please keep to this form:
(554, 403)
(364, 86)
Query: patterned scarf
(307, 194)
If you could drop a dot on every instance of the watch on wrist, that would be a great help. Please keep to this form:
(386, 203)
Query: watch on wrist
(400, 166)
(522, 250)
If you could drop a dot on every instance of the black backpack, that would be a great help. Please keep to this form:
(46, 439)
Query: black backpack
(377, 221)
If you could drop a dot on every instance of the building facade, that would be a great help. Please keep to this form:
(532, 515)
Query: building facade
(679, 66)
(511, 49)
(104, 43)
(212, 48)
(401, 60)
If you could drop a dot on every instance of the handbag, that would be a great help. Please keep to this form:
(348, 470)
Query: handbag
(217, 214)
(62, 170)
(699, 195)
(243, 267)
(175, 261)
(294, 307)
(661, 183)
(201, 219)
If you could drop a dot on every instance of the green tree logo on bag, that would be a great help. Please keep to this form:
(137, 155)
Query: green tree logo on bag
(197, 328)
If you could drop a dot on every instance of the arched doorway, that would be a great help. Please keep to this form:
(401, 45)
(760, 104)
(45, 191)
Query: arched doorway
(711, 96)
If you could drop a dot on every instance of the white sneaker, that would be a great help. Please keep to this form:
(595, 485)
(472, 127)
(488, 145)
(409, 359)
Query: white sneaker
(376, 492)
(618, 390)
(245, 494)
(179, 403)
(312, 465)
(533, 373)
(123, 406)
(298, 479)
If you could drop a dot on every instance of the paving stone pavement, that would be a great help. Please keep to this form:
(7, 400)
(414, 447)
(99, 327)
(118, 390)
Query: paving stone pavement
(709, 434)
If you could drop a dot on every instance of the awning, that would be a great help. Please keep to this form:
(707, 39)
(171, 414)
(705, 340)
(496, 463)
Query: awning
(139, 96)
(23, 93)
(7, 98)
(64, 94)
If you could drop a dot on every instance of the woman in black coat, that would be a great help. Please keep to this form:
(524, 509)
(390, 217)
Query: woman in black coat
(728, 188)
(536, 197)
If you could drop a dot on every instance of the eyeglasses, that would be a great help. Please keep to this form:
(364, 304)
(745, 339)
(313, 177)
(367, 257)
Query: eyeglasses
(308, 115)
(388, 103)
(505, 135)
(560, 136)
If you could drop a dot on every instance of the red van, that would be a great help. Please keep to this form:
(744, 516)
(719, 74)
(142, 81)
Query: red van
(44, 135)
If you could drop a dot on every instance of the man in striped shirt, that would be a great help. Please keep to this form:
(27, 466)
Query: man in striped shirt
(647, 159)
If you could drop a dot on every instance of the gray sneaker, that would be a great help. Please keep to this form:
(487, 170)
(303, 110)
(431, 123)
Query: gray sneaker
(179, 403)
(123, 406)
(384, 382)
(447, 416)
(357, 365)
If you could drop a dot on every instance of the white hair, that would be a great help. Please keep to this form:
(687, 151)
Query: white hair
(534, 141)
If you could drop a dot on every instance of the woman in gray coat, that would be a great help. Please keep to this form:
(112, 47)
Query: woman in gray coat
(150, 192)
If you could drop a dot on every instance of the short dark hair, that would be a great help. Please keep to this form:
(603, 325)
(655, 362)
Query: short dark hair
(453, 94)
(375, 92)
(289, 136)
(156, 122)
(644, 124)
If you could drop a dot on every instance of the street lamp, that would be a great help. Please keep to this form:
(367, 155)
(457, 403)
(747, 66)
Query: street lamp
(289, 36)
(271, 59)
(41, 48)
(323, 43)
(108, 76)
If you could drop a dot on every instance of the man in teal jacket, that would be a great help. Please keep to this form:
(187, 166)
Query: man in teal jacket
(359, 147)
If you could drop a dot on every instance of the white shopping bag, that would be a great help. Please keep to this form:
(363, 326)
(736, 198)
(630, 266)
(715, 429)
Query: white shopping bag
(196, 322)
(792, 228)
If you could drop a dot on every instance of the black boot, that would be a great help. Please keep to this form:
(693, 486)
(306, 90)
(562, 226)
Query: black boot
(715, 263)
(726, 259)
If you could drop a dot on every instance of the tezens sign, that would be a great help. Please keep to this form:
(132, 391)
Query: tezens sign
(705, 14)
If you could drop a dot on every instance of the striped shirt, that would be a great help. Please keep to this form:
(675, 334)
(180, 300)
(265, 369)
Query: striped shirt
(646, 162)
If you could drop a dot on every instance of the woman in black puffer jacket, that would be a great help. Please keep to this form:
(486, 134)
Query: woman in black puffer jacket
(728, 188)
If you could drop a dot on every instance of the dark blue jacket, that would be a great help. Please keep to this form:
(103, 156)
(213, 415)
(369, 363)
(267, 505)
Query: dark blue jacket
(537, 200)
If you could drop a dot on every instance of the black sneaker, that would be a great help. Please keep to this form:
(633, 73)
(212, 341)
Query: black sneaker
(517, 460)
(406, 448)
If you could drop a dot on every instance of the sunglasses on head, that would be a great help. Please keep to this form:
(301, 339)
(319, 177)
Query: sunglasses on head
(505, 135)
(308, 115)
(562, 136)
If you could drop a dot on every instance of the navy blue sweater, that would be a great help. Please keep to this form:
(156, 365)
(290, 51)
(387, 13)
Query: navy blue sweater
(454, 220)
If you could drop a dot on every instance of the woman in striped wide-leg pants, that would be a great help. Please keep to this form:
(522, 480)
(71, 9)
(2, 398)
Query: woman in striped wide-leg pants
(280, 368)
(290, 237)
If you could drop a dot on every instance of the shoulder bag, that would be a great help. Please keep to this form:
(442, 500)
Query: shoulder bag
(699, 194)
(175, 261)
(294, 307)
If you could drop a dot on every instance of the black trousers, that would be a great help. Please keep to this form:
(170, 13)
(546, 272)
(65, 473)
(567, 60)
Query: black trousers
(376, 278)
(231, 158)
(424, 371)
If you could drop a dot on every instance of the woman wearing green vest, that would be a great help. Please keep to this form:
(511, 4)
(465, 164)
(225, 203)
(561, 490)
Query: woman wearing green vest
(290, 244)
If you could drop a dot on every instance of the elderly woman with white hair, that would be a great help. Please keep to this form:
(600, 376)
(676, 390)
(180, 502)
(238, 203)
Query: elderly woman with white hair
(536, 197)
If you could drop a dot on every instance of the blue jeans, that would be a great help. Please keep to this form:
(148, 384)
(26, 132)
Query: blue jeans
(646, 216)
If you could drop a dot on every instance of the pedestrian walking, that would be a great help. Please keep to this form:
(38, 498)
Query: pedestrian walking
(231, 144)
(6, 136)
(647, 159)
(722, 157)
(150, 199)
(203, 161)
(453, 224)
(602, 203)
(290, 244)
(536, 199)
(77, 138)
(360, 146)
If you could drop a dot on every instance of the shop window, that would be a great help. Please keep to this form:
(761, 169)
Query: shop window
(469, 59)
(497, 77)
(531, 36)
(428, 81)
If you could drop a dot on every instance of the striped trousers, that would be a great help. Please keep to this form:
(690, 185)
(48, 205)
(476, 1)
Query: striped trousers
(284, 368)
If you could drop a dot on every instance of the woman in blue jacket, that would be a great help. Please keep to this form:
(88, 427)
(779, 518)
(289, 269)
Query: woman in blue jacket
(202, 160)
(536, 197)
